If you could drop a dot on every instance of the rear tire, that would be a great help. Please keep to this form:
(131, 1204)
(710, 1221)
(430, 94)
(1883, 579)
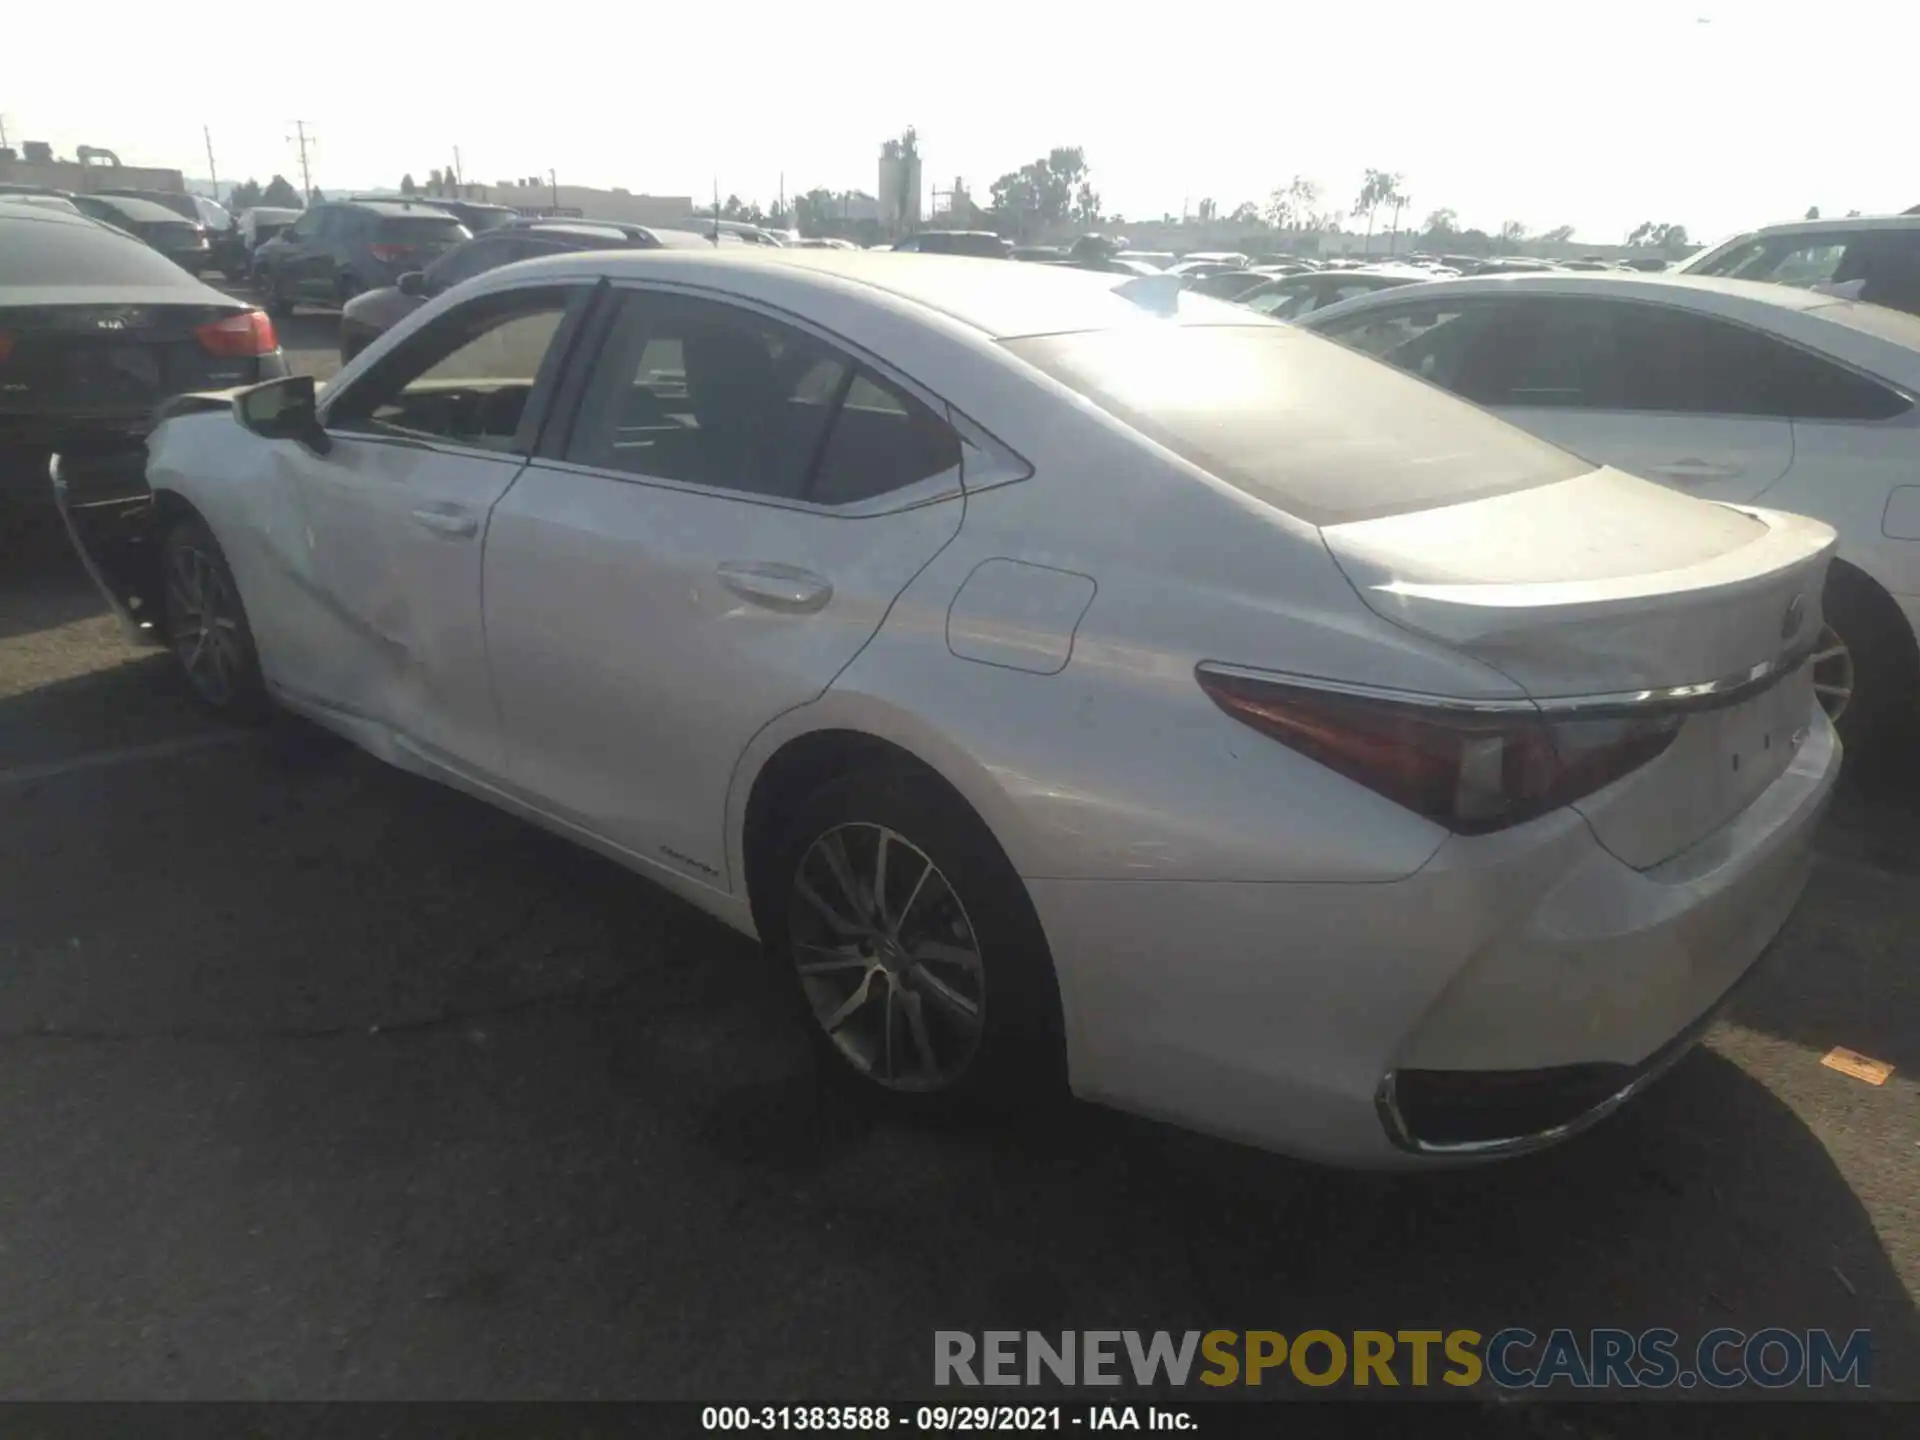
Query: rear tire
(1885, 668)
(206, 625)
(940, 998)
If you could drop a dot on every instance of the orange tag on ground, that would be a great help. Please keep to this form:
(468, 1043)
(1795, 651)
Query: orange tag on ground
(1851, 1062)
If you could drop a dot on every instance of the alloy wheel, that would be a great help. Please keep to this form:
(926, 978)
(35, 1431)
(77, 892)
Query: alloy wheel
(1833, 674)
(887, 957)
(203, 625)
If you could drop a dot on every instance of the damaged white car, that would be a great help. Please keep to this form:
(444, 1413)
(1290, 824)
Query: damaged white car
(1072, 682)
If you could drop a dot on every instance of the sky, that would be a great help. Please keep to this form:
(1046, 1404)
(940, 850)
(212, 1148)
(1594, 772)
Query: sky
(1714, 114)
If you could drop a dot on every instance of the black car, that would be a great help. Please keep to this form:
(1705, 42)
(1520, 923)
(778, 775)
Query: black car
(96, 330)
(181, 240)
(476, 215)
(371, 314)
(339, 248)
(958, 242)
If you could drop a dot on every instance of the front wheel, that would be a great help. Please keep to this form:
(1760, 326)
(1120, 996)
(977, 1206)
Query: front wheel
(915, 951)
(206, 625)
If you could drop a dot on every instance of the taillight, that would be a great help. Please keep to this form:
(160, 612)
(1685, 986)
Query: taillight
(248, 333)
(1471, 770)
(6, 348)
(388, 254)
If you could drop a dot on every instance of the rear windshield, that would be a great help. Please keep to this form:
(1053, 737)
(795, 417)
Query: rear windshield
(52, 251)
(1297, 421)
(420, 229)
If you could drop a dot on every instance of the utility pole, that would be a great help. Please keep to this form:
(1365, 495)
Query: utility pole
(459, 180)
(553, 183)
(3, 132)
(213, 172)
(306, 178)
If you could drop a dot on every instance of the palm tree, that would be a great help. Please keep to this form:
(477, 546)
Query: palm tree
(1379, 188)
(1397, 198)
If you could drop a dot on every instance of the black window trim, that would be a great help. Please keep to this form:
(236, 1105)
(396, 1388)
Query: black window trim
(539, 411)
(1484, 299)
(996, 461)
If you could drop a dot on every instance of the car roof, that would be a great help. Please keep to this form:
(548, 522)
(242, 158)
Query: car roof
(394, 207)
(999, 300)
(1835, 226)
(1886, 341)
(136, 208)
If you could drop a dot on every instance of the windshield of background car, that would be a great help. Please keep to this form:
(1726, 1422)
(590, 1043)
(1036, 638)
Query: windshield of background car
(1299, 422)
(481, 221)
(36, 252)
(420, 230)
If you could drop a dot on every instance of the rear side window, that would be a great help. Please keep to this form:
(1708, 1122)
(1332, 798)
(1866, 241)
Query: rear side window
(1314, 429)
(53, 251)
(419, 229)
(714, 395)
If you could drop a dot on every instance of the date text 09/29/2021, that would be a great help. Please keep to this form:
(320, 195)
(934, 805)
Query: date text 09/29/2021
(946, 1419)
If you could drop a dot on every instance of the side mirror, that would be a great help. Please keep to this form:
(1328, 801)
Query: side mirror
(283, 410)
(413, 283)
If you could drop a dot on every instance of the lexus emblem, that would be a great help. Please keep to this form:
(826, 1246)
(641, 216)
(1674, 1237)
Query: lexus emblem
(1795, 617)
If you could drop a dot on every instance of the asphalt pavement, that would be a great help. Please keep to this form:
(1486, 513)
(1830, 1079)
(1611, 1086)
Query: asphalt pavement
(318, 1081)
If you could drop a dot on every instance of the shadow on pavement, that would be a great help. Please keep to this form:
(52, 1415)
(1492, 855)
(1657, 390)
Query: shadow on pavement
(358, 1089)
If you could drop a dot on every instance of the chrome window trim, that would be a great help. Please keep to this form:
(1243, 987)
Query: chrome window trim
(934, 490)
(1718, 694)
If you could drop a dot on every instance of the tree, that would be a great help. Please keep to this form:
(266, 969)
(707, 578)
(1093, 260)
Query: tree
(1512, 233)
(1559, 235)
(244, 196)
(1670, 239)
(1441, 225)
(1376, 190)
(407, 187)
(316, 197)
(1813, 212)
(1292, 207)
(1045, 193)
(1207, 212)
(281, 194)
(1245, 213)
(436, 182)
(1396, 197)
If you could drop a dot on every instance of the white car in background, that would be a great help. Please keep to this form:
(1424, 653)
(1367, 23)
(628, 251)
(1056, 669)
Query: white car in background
(1875, 258)
(1727, 390)
(1065, 679)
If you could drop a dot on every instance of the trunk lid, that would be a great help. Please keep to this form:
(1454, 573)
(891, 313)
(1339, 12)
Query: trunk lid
(1605, 585)
(108, 362)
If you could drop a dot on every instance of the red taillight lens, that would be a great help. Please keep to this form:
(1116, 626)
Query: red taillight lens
(1471, 770)
(388, 254)
(249, 333)
(6, 348)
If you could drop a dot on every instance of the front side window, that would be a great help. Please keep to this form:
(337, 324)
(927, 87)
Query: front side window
(709, 394)
(464, 262)
(466, 378)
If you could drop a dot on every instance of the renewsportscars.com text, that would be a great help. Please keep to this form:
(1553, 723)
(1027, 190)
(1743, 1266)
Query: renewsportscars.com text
(1512, 1358)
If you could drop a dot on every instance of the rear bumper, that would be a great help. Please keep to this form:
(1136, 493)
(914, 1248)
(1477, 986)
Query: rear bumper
(1305, 1017)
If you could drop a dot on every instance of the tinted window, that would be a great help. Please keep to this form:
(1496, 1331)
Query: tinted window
(882, 440)
(1603, 355)
(475, 257)
(709, 394)
(419, 229)
(1323, 434)
(465, 378)
(52, 251)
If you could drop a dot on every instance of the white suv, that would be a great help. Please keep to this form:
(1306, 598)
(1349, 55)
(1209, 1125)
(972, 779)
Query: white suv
(1875, 258)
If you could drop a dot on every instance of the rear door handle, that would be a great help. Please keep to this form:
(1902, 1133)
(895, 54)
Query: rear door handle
(777, 587)
(457, 524)
(1696, 470)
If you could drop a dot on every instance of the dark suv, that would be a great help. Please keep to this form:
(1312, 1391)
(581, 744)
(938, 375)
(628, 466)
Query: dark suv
(339, 248)
(369, 316)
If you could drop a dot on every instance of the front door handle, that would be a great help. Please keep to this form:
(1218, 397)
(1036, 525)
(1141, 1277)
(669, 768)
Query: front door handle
(777, 587)
(457, 524)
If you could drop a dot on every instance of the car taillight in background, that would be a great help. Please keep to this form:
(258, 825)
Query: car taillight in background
(1471, 770)
(248, 333)
(6, 347)
(389, 254)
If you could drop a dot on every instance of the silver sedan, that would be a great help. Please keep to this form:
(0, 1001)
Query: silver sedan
(1073, 682)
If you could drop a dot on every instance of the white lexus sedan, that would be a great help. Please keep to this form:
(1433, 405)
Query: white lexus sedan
(1070, 681)
(1725, 389)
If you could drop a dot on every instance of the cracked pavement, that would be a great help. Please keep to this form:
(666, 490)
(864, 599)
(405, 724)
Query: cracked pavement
(318, 1081)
